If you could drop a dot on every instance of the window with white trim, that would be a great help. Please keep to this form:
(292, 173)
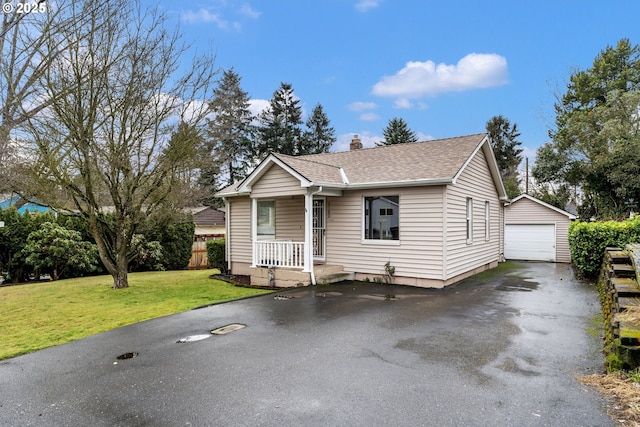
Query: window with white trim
(381, 218)
(266, 218)
(469, 220)
(487, 221)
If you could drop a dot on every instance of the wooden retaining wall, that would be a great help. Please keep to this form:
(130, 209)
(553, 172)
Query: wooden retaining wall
(619, 294)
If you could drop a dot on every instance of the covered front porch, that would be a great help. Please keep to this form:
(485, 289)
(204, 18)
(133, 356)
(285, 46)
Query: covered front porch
(289, 241)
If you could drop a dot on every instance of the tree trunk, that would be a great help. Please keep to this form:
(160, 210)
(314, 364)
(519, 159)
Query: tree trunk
(121, 277)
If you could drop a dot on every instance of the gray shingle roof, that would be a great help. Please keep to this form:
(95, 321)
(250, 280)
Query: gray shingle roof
(430, 160)
(436, 160)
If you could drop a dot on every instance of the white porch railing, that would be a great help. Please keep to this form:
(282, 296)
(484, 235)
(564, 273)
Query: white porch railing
(278, 253)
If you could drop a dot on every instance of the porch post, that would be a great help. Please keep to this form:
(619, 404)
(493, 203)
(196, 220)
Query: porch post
(308, 233)
(254, 230)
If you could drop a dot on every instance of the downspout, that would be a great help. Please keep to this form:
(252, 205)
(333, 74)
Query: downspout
(312, 273)
(227, 233)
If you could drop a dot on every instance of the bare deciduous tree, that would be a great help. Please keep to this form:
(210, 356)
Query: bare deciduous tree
(104, 140)
(26, 54)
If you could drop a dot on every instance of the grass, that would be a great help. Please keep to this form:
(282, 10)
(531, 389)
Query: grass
(40, 315)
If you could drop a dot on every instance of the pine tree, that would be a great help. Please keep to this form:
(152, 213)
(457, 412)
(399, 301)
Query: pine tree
(397, 132)
(319, 136)
(279, 130)
(230, 131)
(504, 142)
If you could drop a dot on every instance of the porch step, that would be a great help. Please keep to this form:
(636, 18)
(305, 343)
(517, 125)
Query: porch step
(324, 269)
(335, 277)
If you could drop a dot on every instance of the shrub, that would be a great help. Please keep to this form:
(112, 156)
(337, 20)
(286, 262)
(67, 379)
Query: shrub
(588, 241)
(216, 255)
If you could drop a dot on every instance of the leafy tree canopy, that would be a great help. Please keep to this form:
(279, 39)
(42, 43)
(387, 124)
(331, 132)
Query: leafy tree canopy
(596, 140)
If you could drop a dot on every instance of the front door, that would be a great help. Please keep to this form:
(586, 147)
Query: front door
(319, 230)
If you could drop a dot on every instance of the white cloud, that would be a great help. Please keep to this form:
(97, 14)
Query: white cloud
(249, 12)
(417, 79)
(365, 5)
(203, 15)
(369, 117)
(257, 106)
(424, 136)
(362, 106)
(403, 103)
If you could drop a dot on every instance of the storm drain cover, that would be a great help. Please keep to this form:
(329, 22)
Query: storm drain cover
(228, 328)
(282, 297)
(192, 338)
(129, 355)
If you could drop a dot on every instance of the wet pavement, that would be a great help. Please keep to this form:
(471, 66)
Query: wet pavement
(501, 349)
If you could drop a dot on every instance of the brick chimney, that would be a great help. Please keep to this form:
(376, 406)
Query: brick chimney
(356, 144)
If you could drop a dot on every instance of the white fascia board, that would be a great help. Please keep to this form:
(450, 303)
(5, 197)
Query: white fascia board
(245, 187)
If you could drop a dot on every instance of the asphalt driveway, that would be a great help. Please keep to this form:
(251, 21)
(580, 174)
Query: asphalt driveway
(502, 349)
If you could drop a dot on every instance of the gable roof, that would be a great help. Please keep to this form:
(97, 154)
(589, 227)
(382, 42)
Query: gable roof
(434, 162)
(207, 215)
(546, 205)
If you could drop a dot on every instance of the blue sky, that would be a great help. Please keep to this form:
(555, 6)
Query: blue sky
(445, 67)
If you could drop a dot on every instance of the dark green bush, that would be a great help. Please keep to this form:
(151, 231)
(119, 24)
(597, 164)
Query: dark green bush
(176, 239)
(588, 241)
(216, 255)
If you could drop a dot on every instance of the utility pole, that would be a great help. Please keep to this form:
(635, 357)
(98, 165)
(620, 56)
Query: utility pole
(526, 174)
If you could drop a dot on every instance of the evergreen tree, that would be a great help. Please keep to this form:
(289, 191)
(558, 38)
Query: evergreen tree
(230, 132)
(397, 132)
(279, 130)
(319, 136)
(596, 139)
(503, 136)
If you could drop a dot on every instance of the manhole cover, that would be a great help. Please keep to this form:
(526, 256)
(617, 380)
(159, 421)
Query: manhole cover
(228, 328)
(192, 338)
(282, 297)
(129, 355)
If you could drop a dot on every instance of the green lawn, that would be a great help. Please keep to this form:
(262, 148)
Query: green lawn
(40, 315)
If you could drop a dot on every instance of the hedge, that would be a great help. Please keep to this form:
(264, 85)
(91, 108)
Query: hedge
(588, 241)
(216, 255)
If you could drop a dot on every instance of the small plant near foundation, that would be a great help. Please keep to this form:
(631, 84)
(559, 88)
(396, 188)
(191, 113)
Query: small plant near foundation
(389, 271)
(378, 280)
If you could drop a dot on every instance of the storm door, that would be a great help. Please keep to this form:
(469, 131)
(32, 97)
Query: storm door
(319, 229)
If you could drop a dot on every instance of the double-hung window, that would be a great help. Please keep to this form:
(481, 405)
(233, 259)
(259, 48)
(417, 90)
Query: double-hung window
(469, 220)
(487, 221)
(266, 219)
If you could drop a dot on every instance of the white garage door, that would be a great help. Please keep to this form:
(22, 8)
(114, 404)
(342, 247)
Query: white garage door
(532, 242)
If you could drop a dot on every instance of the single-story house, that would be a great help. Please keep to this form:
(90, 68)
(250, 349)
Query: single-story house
(210, 225)
(536, 231)
(432, 210)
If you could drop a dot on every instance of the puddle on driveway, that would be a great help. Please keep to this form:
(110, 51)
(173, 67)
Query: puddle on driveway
(517, 284)
(193, 338)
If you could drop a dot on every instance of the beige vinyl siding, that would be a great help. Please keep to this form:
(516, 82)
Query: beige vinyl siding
(418, 252)
(526, 211)
(290, 219)
(276, 182)
(239, 239)
(475, 182)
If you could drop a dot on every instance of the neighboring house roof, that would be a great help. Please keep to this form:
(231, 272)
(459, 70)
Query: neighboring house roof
(207, 216)
(546, 205)
(21, 204)
(435, 162)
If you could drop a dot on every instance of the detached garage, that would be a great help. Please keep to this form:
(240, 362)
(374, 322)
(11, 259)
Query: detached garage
(536, 231)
